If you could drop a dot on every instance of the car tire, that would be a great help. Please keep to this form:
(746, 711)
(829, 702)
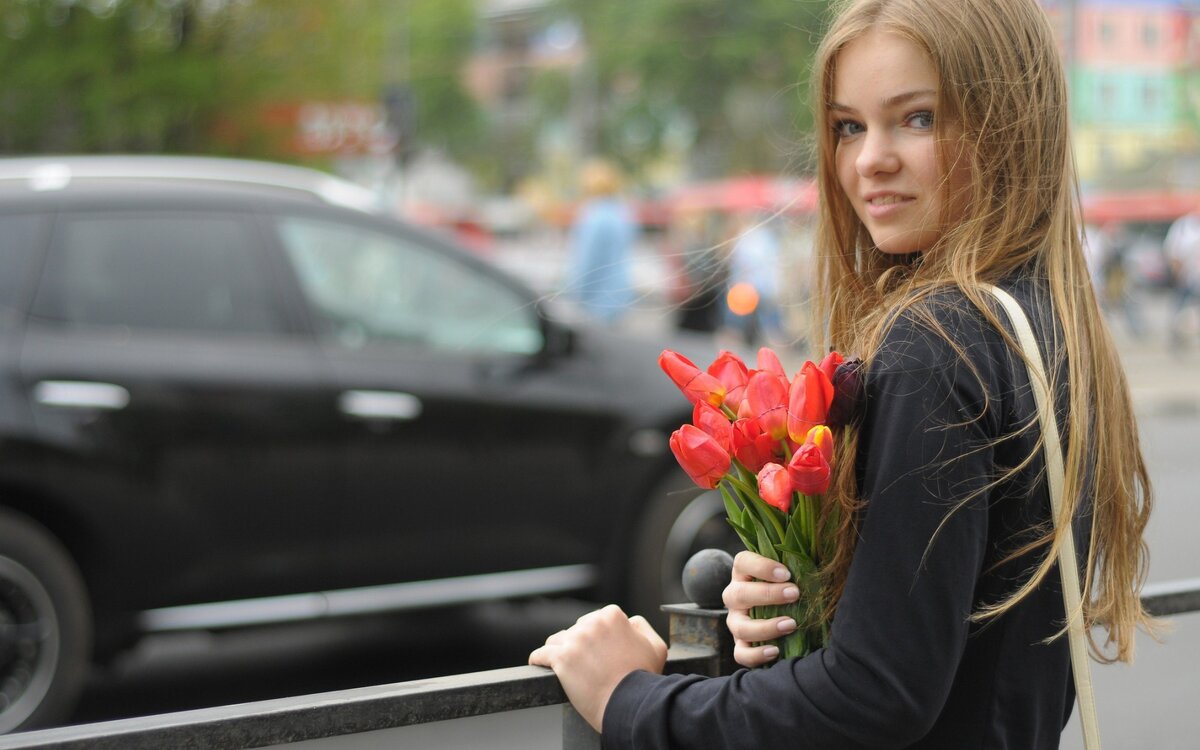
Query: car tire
(45, 626)
(680, 520)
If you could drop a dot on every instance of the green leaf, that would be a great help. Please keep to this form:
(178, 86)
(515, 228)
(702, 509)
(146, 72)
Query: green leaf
(768, 515)
(800, 564)
(744, 533)
(765, 546)
(732, 508)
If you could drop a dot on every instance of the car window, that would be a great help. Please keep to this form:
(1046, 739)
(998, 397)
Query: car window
(370, 286)
(176, 272)
(18, 242)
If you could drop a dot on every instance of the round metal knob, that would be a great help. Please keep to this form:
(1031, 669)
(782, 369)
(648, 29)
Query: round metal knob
(706, 575)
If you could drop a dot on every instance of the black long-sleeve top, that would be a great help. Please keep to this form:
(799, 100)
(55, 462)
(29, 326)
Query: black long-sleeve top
(905, 667)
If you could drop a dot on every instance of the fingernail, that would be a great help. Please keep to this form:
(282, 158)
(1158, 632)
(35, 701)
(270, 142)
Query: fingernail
(786, 625)
(771, 652)
(791, 593)
(781, 574)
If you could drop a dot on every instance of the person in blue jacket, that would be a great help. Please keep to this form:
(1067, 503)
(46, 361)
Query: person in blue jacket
(599, 267)
(944, 163)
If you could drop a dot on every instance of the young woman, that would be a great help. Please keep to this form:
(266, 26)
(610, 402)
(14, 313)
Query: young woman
(945, 166)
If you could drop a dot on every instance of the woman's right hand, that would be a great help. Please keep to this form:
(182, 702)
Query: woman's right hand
(756, 581)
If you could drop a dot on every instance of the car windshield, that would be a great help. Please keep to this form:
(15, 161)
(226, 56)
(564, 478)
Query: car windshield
(370, 286)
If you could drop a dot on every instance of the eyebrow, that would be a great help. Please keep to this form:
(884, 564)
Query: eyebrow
(891, 101)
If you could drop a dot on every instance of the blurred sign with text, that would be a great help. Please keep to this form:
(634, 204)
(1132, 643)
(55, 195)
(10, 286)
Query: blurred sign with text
(333, 127)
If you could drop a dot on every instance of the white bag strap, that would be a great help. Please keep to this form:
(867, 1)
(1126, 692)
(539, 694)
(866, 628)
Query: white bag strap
(1055, 474)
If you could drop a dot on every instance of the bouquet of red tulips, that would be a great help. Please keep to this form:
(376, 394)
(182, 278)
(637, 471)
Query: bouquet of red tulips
(763, 439)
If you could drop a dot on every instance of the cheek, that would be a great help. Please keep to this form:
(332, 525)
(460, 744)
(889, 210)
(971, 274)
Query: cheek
(846, 173)
(960, 186)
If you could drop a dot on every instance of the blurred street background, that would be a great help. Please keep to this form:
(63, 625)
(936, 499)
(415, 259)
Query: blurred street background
(1147, 705)
(474, 119)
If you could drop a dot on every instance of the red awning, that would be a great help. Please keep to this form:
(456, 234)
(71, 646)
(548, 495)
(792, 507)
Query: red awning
(747, 194)
(1101, 208)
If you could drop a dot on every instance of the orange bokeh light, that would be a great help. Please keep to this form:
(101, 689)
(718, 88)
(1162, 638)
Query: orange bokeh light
(742, 298)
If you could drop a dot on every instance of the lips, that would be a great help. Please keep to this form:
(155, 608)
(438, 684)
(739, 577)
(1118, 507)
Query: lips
(881, 204)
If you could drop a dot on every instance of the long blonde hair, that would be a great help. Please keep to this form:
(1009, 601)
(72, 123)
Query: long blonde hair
(1002, 85)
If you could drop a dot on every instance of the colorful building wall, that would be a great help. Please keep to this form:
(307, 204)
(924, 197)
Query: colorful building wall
(1131, 67)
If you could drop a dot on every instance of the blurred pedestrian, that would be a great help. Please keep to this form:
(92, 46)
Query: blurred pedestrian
(602, 237)
(752, 301)
(704, 273)
(1105, 247)
(1182, 247)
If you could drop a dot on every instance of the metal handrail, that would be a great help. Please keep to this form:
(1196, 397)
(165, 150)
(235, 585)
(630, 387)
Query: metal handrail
(700, 644)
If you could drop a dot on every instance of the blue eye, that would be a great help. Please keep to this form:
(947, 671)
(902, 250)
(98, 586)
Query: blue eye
(922, 120)
(847, 128)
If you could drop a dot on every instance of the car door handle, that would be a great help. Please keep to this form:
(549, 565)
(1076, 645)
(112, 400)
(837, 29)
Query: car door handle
(391, 405)
(79, 394)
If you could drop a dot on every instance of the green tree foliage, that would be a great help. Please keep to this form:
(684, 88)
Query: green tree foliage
(111, 75)
(438, 37)
(733, 76)
(201, 76)
(725, 82)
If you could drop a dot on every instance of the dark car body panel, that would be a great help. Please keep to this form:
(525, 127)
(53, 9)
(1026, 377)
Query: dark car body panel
(233, 470)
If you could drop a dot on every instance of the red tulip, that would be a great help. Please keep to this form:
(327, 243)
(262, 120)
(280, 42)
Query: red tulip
(696, 385)
(821, 437)
(768, 360)
(830, 364)
(808, 470)
(775, 486)
(753, 447)
(809, 398)
(767, 396)
(732, 372)
(704, 460)
(714, 423)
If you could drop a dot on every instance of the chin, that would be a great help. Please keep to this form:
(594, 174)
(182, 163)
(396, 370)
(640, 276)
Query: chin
(898, 246)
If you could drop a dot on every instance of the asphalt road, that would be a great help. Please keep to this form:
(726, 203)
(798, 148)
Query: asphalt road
(1151, 705)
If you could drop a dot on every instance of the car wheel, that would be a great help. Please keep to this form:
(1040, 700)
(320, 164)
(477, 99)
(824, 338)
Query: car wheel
(45, 626)
(680, 520)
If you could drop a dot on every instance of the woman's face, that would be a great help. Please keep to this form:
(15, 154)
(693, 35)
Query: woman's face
(885, 93)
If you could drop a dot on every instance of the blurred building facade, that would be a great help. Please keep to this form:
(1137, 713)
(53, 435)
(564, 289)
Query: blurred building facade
(1134, 71)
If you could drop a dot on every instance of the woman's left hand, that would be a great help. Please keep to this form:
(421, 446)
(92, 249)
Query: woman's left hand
(594, 655)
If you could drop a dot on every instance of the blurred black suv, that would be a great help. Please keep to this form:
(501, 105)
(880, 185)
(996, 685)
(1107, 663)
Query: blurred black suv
(233, 393)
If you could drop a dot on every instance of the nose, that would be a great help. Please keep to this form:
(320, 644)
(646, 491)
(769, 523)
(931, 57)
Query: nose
(878, 154)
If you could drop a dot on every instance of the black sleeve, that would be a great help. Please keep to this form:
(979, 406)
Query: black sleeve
(925, 460)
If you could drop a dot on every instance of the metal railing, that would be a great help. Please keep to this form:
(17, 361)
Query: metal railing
(699, 644)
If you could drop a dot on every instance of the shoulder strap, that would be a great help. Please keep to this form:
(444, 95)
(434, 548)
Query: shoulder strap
(1067, 566)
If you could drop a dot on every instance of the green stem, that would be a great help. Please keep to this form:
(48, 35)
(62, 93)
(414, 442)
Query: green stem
(810, 528)
(768, 513)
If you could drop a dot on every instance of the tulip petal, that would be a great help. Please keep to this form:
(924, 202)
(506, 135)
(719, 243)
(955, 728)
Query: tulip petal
(767, 395)
(753, 447)
(775, 487)
(809, 471)
(809, 398)
(696, 385)
(701, 457)
(768, 360)
(713, 422)
(732, 372)
(822, 437)
(830, 364)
